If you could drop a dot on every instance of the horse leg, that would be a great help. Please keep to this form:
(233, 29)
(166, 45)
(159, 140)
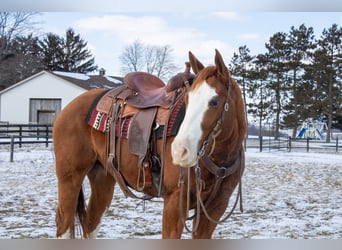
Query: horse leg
(69, 191)
(172, 225)
(102, 189)
(72, 165)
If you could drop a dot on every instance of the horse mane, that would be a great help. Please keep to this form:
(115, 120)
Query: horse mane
(210, 71)
(204, 74)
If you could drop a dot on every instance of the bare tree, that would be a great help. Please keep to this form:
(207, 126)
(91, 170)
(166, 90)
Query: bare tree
(18, 57)
(132, 57)
(13, 24)
(156, 60)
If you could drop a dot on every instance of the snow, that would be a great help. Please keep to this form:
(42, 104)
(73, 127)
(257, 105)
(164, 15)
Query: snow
(78, 76)
(285, 196)
(112, 79)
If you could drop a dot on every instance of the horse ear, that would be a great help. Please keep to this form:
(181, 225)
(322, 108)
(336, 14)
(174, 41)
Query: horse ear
(196, 65)
(221, 67)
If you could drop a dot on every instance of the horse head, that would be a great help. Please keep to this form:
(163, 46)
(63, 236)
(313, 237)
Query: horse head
(214, 122)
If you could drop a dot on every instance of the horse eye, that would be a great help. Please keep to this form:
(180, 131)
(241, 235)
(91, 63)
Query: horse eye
(213, 103)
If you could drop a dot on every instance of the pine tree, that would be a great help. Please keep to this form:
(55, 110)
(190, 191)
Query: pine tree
(300, 44)
(23, 62)
(76, 57)
(329, 55)
(67, 54)
(52, 51)
(259, 91)
(240, 65)
(27, 56)
(277, 52)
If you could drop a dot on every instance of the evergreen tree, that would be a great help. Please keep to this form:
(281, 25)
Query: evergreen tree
(329, 55)
(259, 91)
(27, 56)
(300, 44)
(67, 54)
(239, 67)
(23, 62)
(316, 74)
(52, 52)
(277, 52)
(76, 57)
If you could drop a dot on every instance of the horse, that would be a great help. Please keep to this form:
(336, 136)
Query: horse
(202, 165)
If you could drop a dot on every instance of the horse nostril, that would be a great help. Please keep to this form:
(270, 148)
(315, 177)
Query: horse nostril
(184, 153)
(180, 153)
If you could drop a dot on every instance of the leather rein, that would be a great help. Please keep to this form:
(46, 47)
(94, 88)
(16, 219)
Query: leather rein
(220, 172)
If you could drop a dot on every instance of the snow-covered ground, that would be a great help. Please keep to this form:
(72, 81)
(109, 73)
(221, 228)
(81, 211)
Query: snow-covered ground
(285, 195)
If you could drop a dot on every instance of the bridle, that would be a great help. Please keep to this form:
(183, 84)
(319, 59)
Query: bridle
(220, 173)
(216, 130)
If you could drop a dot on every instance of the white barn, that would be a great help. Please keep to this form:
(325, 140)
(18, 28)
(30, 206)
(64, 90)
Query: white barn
(39, 98)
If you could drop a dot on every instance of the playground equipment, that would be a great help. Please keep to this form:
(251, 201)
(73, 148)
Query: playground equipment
(312, 130)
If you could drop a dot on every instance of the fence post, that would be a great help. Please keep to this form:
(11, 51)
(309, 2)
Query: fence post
(37, 133)
(12, 148)
(307, 145)
(336, 145)
(47, 135)
(260, 143)
(20, 135)
(290, 143)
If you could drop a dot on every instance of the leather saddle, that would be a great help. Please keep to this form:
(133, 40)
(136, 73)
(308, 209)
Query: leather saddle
(143, 90)
(148, 101)
(148, 91)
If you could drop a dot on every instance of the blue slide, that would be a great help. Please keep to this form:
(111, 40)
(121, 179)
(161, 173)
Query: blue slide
(301, 133)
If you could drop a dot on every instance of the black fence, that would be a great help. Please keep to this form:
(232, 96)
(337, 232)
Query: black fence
(19, 134)
(291, 144)
(25, 134)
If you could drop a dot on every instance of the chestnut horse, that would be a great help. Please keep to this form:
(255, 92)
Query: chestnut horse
(203, 164)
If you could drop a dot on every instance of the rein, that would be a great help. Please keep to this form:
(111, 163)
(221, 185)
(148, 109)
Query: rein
(220, 173)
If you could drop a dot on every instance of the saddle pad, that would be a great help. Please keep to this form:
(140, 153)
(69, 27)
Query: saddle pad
(99, 121)
(95, 119)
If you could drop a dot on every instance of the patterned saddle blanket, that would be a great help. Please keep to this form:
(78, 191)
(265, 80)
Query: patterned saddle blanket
(101, 121)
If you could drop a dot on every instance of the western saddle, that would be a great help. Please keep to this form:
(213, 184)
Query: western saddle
(149, 102)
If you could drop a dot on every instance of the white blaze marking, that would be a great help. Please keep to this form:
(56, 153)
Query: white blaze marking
(190, 131)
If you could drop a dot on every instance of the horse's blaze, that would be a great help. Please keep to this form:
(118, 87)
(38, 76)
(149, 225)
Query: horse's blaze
(185, 145)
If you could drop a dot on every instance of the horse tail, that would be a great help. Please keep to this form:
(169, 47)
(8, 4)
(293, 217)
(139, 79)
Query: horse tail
(81, 209)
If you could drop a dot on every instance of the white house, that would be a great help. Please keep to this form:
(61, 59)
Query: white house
(39, 98)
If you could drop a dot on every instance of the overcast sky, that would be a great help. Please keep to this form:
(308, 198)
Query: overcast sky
(110, 26)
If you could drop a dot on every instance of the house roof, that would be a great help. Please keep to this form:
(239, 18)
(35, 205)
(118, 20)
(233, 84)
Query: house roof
(90, 81)
(84, 81)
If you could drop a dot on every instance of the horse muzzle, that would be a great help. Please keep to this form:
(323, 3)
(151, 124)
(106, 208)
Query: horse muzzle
(183, 154)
